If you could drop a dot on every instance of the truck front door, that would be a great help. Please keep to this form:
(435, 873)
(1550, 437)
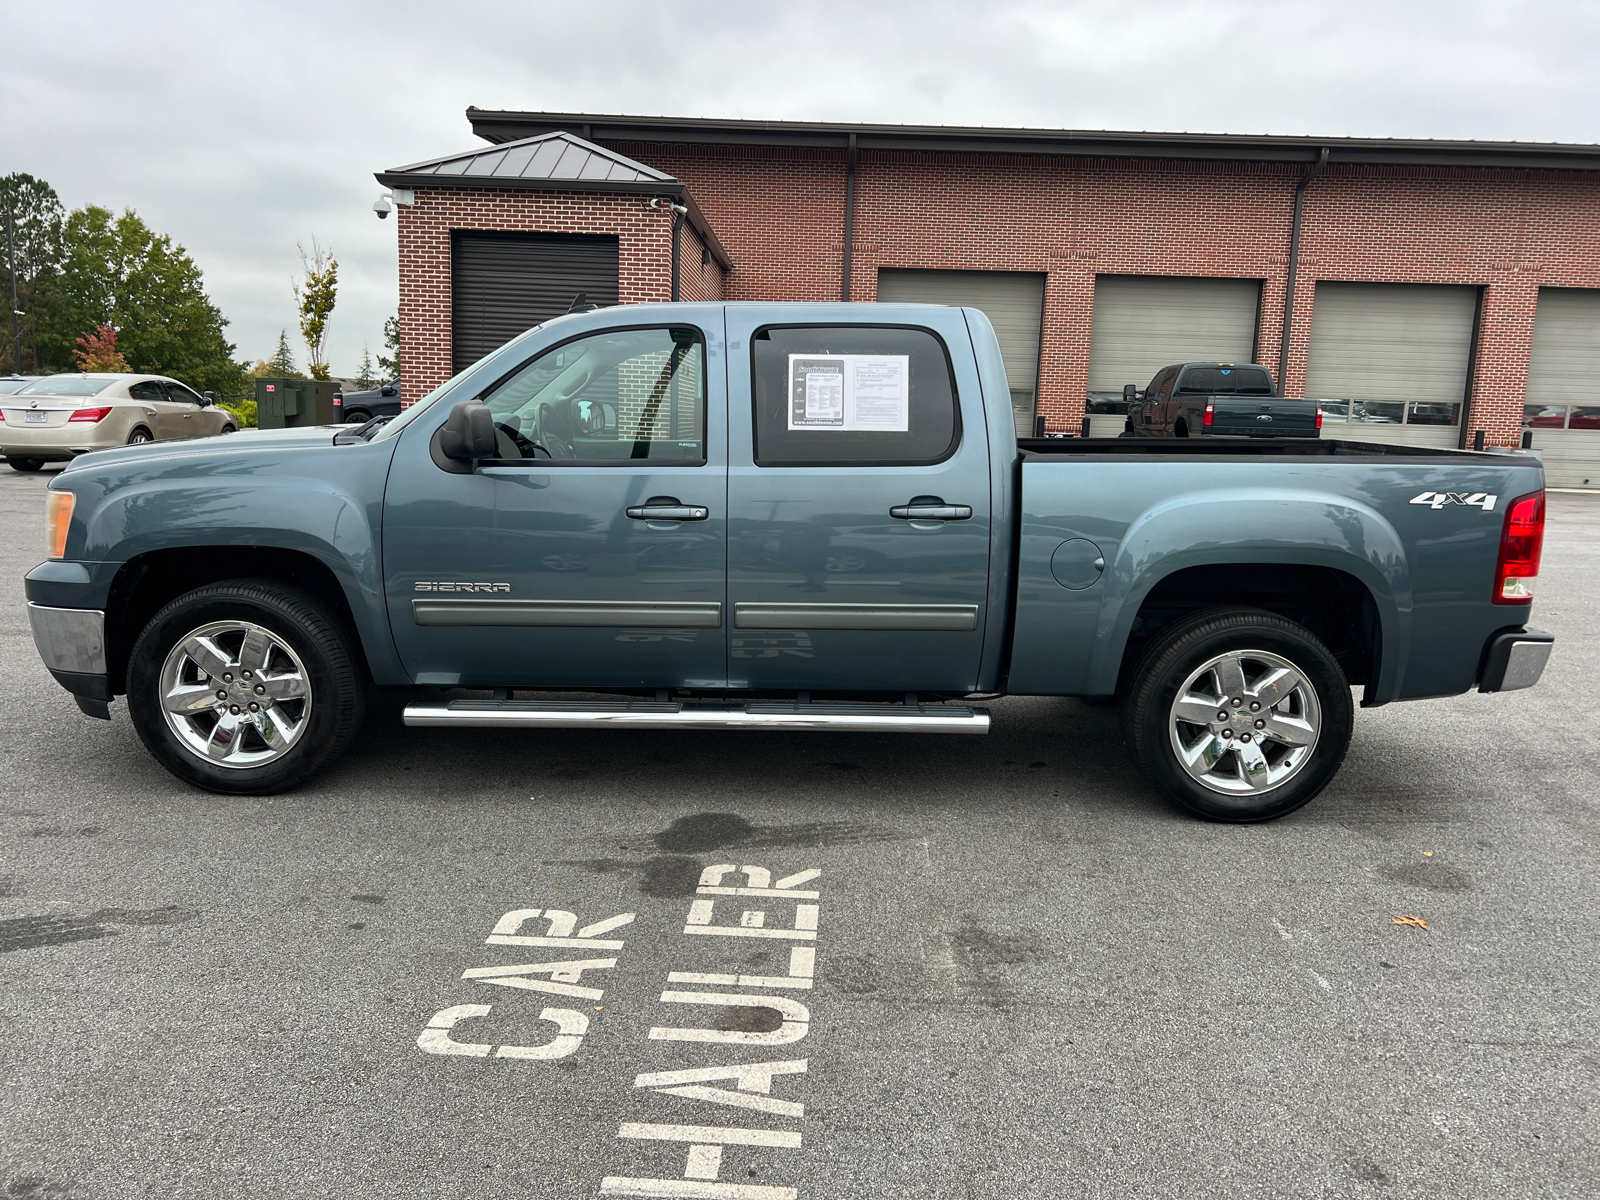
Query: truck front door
(858, 499)
(592, 552)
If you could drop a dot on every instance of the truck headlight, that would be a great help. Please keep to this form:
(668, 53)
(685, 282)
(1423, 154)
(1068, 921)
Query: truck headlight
(58, 519)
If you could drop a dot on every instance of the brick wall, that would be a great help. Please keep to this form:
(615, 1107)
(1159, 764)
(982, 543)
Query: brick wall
(698, 280)
(780, 213)
(644, 264)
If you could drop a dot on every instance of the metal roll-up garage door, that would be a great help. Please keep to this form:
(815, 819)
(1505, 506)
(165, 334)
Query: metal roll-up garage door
(1145, 322)
(1389, 361)
(1563, 405)
(503, 284)
(1012, 300)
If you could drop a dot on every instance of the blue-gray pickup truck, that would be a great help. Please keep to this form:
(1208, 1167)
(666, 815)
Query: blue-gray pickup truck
(778, 517)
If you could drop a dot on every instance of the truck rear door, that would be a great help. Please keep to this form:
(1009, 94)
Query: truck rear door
(858, 500)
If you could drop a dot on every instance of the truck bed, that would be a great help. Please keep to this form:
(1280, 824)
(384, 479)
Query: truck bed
(1396, 546)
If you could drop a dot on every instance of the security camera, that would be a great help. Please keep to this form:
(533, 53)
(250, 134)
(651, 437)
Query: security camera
(383, 206)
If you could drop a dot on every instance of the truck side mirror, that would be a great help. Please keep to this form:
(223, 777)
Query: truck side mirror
(468, 432)
(1130, 393)
(388, 389)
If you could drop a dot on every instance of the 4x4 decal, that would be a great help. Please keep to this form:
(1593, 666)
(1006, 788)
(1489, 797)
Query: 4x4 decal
(1437, 500)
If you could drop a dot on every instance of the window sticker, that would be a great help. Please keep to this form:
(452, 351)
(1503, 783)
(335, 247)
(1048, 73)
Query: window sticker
(858, 393)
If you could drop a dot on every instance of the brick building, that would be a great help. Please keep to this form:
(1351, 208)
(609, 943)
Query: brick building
(1440, 288)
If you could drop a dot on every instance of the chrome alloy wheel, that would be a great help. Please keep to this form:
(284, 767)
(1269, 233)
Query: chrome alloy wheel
(1245, 721)
(235, 694)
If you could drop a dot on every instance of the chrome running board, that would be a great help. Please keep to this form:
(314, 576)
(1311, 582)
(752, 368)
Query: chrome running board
(644, 714)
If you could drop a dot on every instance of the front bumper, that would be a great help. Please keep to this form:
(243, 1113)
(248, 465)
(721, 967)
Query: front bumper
(72, 643)
(1515, 659)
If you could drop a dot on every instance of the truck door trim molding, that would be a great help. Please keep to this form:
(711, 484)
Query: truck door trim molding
(954, 618)
(568, 613)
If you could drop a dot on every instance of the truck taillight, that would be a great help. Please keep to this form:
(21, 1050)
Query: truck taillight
(1319, 418)
(57, 520)
(1520, 544)
(1211, 414)
(90, 415)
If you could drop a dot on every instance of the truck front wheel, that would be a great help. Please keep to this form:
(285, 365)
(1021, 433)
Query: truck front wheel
(245, 687)
(1238, 715)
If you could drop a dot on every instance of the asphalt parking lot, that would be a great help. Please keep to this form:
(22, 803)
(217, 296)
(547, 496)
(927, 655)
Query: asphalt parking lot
(1032, 977)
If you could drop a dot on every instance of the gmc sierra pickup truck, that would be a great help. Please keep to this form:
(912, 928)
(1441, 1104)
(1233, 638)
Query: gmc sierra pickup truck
(778, 517)
(1191, 400)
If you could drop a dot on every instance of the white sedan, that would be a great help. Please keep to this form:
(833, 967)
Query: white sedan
(62, 416)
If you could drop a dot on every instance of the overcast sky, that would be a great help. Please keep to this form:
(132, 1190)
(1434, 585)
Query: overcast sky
(242, 128)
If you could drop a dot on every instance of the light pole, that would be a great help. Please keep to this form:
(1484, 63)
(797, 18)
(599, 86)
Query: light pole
(16, 315)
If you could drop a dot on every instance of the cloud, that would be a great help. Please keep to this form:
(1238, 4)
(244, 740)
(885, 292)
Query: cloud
(241, 129)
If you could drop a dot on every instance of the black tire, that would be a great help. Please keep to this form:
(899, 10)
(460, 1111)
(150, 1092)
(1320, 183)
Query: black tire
(324, 646)
(25, 464)
(229, 429)
(357, 416)
(140, 436)
(1148, 711)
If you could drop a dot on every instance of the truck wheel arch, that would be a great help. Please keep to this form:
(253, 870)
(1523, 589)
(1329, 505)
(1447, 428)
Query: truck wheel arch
(1335, 605)
(1309, 529)
(147, 582)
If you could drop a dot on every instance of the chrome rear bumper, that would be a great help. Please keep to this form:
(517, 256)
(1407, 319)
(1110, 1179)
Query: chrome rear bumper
(1515, 660)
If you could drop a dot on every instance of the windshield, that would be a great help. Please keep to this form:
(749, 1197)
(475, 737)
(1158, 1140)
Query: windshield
(7, 386)
(66, 385)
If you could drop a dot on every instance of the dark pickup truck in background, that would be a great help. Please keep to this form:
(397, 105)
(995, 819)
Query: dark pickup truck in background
(1208, 399)
(357, 408)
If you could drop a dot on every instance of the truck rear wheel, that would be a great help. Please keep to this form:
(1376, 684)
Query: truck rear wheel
(246, 687)
(1238, 715)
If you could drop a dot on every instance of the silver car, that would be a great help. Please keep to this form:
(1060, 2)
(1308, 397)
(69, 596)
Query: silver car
(61, 416)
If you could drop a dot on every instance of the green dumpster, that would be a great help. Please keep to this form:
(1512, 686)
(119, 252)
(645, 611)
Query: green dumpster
(293, 403)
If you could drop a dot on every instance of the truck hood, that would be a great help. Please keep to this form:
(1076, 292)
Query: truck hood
(245, 439)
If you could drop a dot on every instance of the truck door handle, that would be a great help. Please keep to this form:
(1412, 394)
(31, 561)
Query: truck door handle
(936, 511)
(667, 508)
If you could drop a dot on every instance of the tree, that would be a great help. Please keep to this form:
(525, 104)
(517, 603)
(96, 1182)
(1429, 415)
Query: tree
(281, 364)
(365, 379)
(315, 298)
(389, 364)
(97, 351)
(116, 271)
(36, 219)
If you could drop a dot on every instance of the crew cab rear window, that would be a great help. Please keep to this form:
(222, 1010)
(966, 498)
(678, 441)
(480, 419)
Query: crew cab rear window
(852, 396)
(618, 396)
(1226, 381)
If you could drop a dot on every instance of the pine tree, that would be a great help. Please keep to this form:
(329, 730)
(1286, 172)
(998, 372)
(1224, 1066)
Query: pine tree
(281, 364)
(365, 380)
(389, 363)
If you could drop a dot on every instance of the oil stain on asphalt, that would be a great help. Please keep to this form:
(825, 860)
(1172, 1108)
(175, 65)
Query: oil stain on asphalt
(676, 871)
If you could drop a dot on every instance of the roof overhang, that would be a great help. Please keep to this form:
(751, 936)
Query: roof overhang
(503, 126)
(666, 187)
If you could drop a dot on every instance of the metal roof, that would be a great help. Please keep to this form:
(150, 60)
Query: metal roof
(553, 160)
(550, 159)
(503, 126)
